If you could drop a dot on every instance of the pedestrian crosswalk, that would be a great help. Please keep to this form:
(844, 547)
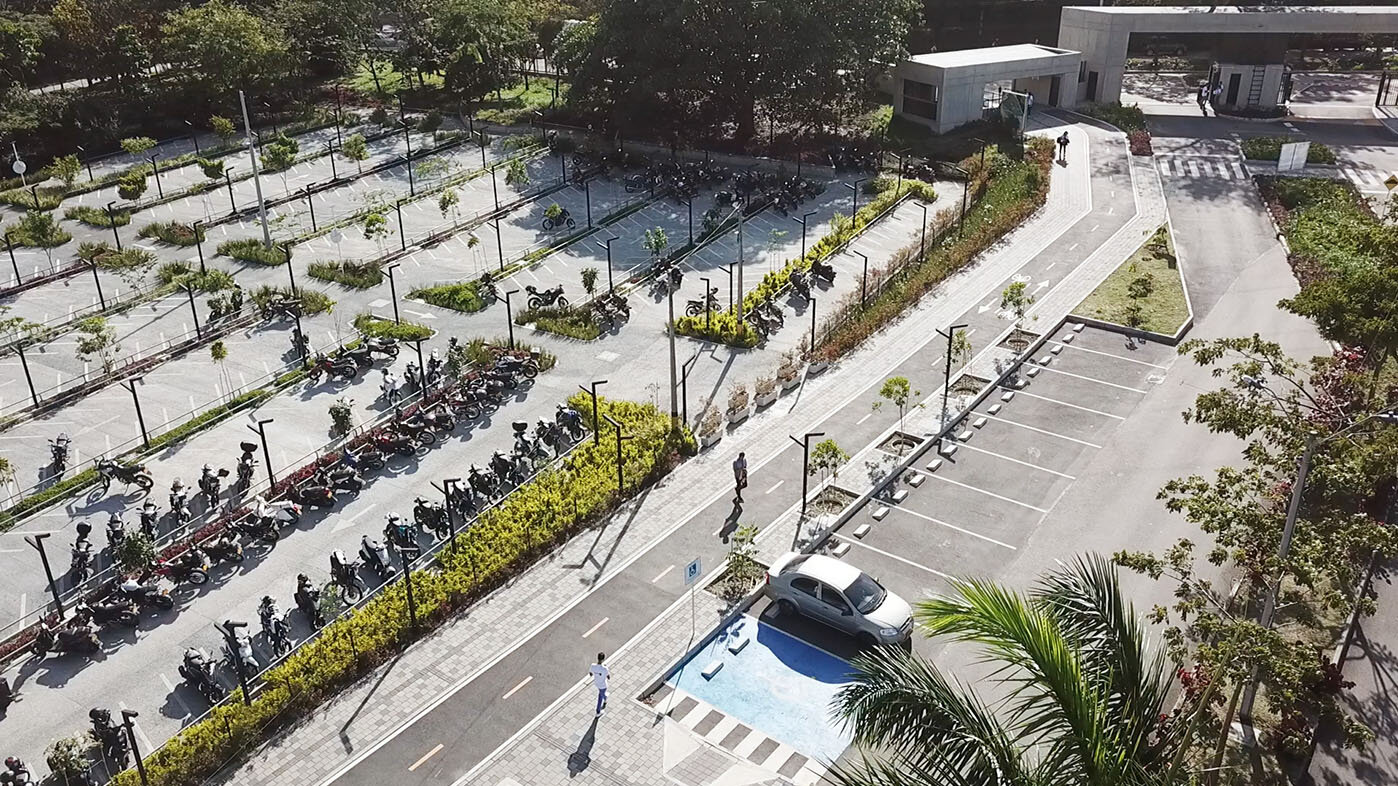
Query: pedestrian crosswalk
(1217, 167)
(1365, 179)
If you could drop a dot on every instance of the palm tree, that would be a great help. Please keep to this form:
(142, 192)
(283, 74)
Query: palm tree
(1081, 701)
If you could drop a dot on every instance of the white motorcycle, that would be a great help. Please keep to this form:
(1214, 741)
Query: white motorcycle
(283, 511)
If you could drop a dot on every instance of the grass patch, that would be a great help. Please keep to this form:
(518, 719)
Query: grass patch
(1268, 148)
(461, 296)
(251, 250)
(359, 275)
(49, 198)
(570, 321)
(97, 217)
(172, 232)
(1159, 306)
(517, 103)
(391, 81)
(125, 259)
(1127, 118)
(374, 327)
(312, 301)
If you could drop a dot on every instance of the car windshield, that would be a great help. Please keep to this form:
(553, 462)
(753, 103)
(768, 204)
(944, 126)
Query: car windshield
(865, 593)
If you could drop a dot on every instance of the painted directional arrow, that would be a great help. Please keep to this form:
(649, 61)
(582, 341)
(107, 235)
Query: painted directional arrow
(346, 522)
(986, 307)
(421, 314)
(1040, 285)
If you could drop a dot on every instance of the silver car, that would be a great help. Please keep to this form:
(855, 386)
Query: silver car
(841, 596)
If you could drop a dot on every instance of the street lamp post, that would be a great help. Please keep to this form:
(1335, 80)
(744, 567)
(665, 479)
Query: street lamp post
(854, 209)
(620, 478)
(949, 333)
(296, 312)
(330, 154)
(160, 192)
(684, 385)
(922, 244)
(87, 162)
(406, 555)
(256, 172)
(422, 367)
(674, 376)
(402, 236)
(311, 206)
(261, 432)
(10, 248)
(199, 244)
(805, 443)
(128, 722)
(130, 386)
(111, 219)
(228, 181)
(864, 279)
(509, 316)
(587, 195)
(29, 378)
(393, 290)
(607, 244)
(198, 331)
(37, 541)
(194, 137)
(813, 325)
(499, 245)
(448, 489)
(802, 222)
(229, 630)
(592, 391)
(101, 299)
(689, 204)
(707, 310)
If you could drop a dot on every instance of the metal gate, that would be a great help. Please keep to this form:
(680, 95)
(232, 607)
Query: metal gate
(1388, 92)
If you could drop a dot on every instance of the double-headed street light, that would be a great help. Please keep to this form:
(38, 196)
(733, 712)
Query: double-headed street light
(854, 209)
(37, 541)
(802, 222)
(261, 432)
(591, 390)
(607, 244)
(620, 437)
(128, 722)
(805, 443)
(510, 316)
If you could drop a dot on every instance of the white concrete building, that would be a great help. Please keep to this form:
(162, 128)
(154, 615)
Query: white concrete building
(943, 90)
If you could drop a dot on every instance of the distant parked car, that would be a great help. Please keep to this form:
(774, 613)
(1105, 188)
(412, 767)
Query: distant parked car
(840, 595)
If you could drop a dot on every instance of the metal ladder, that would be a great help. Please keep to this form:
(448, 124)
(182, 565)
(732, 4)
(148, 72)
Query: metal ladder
(1255, 89)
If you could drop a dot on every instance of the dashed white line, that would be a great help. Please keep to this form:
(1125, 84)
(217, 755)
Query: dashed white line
(662, 573)
(867, 415)
(774, 486)
(594, 628)
(516, 688)
(425, 757)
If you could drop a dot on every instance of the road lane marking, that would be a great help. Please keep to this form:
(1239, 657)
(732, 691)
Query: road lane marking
(860, 422)
(662, 573)
(1094, 379)
(521, 684)
(999, 419)
(1066, 404)
(774, 487)
(969, 446)
(987, 493)
(903, 560)
(594, 628)
(425, 757)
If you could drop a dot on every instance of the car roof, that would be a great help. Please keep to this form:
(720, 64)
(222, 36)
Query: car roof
(829, 570)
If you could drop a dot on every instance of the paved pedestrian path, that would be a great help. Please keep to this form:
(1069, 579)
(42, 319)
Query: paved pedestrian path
(516, 707)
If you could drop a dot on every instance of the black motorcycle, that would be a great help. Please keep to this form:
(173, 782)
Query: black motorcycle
(570, 420)
(81, 566)
(119, 611)
(112, 738)
(545, 298)
(210, 482)
(799, 285)
(823, 271)
(431, 516)
(343, 477)
(246, 463)
(77, 638)
(108, 470)
(198, 670)
(255, 527)
(345, 575)
(144, 594)
(274, 627)
(482, 483)
(694, 308)
(150, 519)
(308, 601)
(223, 549)
(58, 453)
(316, 493)
(526, 366)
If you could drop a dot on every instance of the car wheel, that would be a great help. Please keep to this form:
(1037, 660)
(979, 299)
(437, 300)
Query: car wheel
(786, 608)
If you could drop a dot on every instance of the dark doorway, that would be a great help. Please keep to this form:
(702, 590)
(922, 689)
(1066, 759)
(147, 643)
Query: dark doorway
(1235, 81)
(1055, 84)
(1091, 85)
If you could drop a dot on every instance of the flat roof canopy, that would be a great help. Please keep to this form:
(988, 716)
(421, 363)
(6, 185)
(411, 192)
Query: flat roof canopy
(1237, 19)
(990, 55)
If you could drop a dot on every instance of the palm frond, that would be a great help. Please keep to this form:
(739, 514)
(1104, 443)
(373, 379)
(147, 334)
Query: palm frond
(902, 703)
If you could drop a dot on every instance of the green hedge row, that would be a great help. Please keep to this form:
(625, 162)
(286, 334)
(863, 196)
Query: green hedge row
(359, 275)
(724, 326)
(252, 250)
(97, 217)
(461, 296)
(552, 507)
(172, 232)
(571, 321)
(1268, 148)
(374, 327)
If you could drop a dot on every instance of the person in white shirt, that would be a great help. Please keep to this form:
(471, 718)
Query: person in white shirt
(600, 675)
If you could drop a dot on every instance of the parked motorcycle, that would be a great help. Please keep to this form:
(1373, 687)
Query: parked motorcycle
(246, 462)
(386, 347)
(316, 493)
(191, 567)
(223, 549)
(400, 531)
(366, 456)
(256, 527)
(198, 671)
(824, 271)
(545, 298)
(76, 638)
(116, 531)
(144, 594)
(239, 652)
(274, 627)
(343, 477)
(345, 575)
(109, 470)
(799, 285)
(341, 368)
(210, 483)
(111, 737)
(179, 502)
(416, 427)
(431, 516)
(283, 512)
(81, 565)
(375, 556)
(482, 483)
(307, 598)
(121, 612)
(694, 308)
(150, 519)
(58, 453)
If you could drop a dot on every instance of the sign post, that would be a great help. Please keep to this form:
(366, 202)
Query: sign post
(1293, 156)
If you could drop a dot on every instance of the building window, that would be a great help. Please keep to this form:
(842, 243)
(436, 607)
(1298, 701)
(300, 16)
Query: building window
(919, 99)
(1082, 71)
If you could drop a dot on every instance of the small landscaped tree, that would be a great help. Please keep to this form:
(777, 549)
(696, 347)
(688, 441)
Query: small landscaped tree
(448, 202)
(39, 230)
(137, 145)
(589, 280)
(430, 122)
(212, 169)
(341, 417)
(516, 174)
(656, 241)
(1017, 300)
(218, 351)
(223, 128)
(356, 150)
(826, 458)
(134, 553)
(376, 229)
(279, 154)
(97, 339)
(131, 185)
(899, 392)
(66, 168)
(960, 347)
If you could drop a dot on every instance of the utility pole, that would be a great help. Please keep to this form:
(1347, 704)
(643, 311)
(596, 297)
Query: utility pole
(256, 176)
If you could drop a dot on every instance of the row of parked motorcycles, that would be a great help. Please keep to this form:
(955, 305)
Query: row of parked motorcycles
(349, 361)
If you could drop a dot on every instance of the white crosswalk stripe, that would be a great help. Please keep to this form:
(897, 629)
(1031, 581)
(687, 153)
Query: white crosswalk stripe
(1199, 167)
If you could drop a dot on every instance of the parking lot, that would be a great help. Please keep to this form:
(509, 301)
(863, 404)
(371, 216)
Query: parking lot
(968, 512)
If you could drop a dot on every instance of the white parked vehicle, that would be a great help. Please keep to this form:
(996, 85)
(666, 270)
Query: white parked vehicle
(840, 595)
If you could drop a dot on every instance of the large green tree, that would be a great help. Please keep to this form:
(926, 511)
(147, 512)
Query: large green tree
(481, 41)
(221, 47)
(327, 36)
(19, 51)
(712, 63)
(1084, 697)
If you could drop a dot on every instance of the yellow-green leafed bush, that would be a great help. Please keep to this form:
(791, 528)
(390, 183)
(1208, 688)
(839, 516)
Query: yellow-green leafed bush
(553, 506)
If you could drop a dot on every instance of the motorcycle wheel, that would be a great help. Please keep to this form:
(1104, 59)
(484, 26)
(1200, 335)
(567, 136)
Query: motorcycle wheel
(165, 602)
(693, 310)
(146, 482)
(572, 223)
(128, 618)
(548, 224)
(269, 537)
(562, 301)
(529, 370)
(535, 301)
(470, 411)
(197, 577)
(351, 593)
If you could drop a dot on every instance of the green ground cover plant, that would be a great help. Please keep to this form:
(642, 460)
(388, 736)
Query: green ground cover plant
(97, 217)
(374, 327)
(1268, 148)
(460, 296)
(251, 250)
(172, 232)
(359, 275)
(1145, 292)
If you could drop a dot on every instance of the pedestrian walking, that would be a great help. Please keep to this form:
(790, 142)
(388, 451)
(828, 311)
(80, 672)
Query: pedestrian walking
(1028, 104)
(740, 476)
(600, 675)
(1063, 147)
(1203, 99)
(389, 387)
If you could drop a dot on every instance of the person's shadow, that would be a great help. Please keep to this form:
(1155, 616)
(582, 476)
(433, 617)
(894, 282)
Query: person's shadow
(730, 524)
(579, 759)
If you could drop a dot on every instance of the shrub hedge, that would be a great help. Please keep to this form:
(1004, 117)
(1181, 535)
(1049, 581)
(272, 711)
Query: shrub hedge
(571, 321)
(49, 198)
(359, 275)
(461, 296)
(374, 327)
(1127, 118)
(1268, 148)
(97, 217)
(312, 301)
(252, 250)
(557, 504)
(172, 232)
(1005, 191)
(725, 328)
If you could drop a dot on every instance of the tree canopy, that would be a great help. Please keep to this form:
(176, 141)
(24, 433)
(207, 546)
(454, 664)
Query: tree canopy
(221, 47)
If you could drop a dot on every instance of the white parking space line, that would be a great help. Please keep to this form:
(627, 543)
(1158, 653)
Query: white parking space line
(987, 493)
(1094, 379)
(999, 419)
(895, 557)
(969, 446)
(1066, 404)
(953, 527)
(1114, 356)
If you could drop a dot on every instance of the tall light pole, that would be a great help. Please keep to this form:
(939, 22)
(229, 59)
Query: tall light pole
(592, 391)
(128, 722)
(922, 244)
(864, 280)
(261, 432)
(111, 219)
(607, 244)
(620, 478)
(37, 541)
(229, 629)
(854, 208)
(510, 317)
(130, 386)
(805, 443)
(741, 209)
(674, 376)
(199, 243)
(802, 222)
(256, 175)
(393, 290)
